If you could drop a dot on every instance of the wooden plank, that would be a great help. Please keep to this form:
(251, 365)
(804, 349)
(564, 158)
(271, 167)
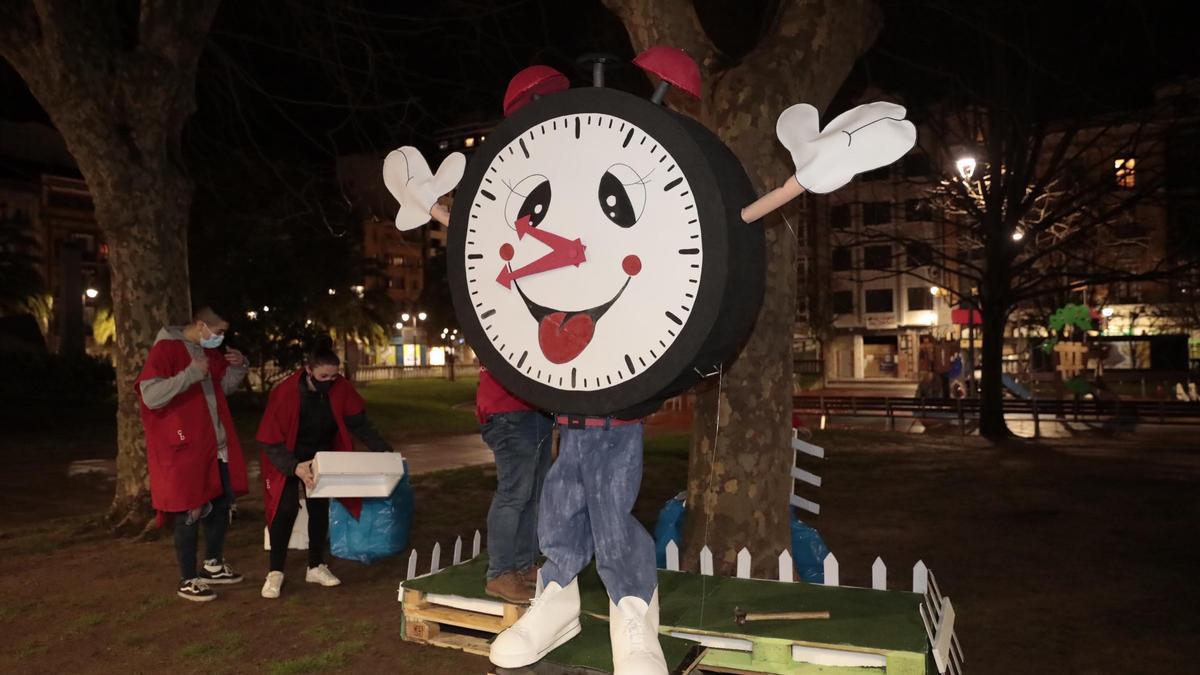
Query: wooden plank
(472, 644)
(457, 558)
(743, 563)
(920, 579)
(786, 568)
(879, 575)
(672, 556)
(435, 559)
(806, 476)
(802, 503)
(831, 571)
(808, 448)
(475, 544)
(412, 564)
(455, 617)
(706, 562)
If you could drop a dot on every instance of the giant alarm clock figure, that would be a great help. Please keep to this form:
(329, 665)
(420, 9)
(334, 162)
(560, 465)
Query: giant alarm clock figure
(604, 256)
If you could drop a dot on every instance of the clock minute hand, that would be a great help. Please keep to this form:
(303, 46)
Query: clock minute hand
(551, 261)
(554, 241)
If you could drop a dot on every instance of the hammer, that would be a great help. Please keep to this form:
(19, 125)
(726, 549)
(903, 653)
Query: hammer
(741, 616)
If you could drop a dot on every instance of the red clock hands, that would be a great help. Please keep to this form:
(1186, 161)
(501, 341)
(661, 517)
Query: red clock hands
(563, 252)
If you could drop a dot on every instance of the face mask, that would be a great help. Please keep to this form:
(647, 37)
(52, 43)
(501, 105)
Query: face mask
(212, 341)
(322, 387)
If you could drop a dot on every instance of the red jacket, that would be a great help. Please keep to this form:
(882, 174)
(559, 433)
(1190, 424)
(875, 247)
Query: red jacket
(181, 442)
(281, 423)
(492, 399)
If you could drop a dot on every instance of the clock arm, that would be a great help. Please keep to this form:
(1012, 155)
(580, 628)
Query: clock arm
(773, 200)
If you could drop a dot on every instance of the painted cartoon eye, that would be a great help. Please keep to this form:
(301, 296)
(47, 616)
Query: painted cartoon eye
(622, 195)
(529, 197)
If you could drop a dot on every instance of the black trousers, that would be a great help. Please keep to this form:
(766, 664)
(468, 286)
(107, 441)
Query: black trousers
(216, 523)
(285, 520)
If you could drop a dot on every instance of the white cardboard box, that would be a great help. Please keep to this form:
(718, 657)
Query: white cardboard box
(356, 474)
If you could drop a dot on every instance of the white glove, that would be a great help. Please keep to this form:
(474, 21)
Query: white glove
(406, 175)
(861, 139)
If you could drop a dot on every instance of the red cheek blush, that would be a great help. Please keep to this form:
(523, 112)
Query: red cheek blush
(632, 265)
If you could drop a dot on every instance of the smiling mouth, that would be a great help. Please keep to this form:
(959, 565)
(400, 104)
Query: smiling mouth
(563, 335)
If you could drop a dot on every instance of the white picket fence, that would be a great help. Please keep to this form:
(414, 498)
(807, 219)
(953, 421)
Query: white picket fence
(800, 449)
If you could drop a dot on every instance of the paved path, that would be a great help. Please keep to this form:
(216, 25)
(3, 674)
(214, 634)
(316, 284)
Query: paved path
(445, 452)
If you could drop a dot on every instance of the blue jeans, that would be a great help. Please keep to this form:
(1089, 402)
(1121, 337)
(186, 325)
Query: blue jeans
(586, 509)
(521, 443)
(216, 523)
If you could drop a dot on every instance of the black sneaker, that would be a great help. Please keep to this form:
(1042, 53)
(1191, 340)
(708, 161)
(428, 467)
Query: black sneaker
(195, 590)
(217, 572)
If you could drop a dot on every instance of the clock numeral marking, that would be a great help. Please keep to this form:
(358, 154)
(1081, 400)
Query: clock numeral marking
(523, 148)
(628, 137)
(670, 168)
(572, 370)
(695, 267)
(492, 169)
(487, 194)
(660, 160)
(643, 361)
(690, 295)
(686, 309)
(654, 148)
(610, 123)
(653, 355)
(488, 314)
(685, 193)
(672, 184)
(576, 136)
(693, 222)
(522, 361)
(689, 206)
(479, 256)
(673, 318)
(622, 127)
(609, 378)
(502, 347)
(629, 364)
(662, 344)
(487, 180)
(510, 150)
(689, 251)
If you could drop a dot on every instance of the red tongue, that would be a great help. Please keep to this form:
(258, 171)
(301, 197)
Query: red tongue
(563, 341)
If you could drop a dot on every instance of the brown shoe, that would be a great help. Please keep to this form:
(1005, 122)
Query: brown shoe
(529, 575)
(511, 587)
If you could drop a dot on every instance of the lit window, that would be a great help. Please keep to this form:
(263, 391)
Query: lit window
(470, 142)
(1125, 172)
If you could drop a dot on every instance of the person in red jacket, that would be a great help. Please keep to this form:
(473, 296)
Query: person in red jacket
(313, 410)
(519, 436)
(193, 454)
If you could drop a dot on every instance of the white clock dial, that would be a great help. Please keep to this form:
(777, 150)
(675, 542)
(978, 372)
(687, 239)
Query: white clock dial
(583, 251)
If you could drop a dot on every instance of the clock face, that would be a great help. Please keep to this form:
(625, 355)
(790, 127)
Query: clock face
(580, 251)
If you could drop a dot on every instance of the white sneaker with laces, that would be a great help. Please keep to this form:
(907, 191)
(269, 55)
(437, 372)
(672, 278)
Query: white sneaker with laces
(552, 619)
(321, 575)
(272, 585)
(633, 632)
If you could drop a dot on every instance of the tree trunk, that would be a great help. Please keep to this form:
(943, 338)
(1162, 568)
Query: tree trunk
(739, 470)
(119, 87)
(991, 392)
(148, 240)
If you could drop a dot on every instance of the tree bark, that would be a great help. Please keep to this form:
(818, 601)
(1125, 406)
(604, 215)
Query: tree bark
(120, 95)
(739, 473)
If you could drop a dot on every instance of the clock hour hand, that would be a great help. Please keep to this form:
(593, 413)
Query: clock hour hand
(553, 260)
(554, 241)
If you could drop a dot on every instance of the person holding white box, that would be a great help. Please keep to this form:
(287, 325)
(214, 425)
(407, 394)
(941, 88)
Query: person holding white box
(313, 410)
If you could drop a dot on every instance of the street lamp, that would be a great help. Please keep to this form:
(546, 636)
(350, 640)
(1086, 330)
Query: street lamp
(1018, 235)
(92, 293)
(966, 167)
(1106, 312)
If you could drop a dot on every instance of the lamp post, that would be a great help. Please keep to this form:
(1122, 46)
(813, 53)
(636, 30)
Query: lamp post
(404, 319)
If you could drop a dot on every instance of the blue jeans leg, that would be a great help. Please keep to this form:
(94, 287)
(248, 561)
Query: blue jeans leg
(564, 531)
(612, 477)
(527, 546)
(517, 440)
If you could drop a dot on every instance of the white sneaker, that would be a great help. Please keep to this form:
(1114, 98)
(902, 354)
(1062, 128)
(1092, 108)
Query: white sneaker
(552, 619)
(633, 632)
(321, 575)
(272, 585)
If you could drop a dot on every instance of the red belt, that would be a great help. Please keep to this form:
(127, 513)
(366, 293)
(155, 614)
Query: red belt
(578, 422)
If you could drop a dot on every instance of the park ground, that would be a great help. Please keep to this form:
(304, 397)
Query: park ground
(1072, 555)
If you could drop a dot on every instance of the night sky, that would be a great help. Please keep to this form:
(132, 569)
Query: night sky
(308, 84)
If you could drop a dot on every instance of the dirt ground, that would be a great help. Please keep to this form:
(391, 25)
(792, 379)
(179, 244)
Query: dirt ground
(1068, 556)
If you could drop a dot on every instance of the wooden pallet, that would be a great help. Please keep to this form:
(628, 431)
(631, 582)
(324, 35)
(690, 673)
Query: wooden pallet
(428, 620)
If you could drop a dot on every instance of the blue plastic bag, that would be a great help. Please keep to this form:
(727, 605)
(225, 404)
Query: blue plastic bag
(669, 528)
(808, 549)
(808, 552)
(381, 529)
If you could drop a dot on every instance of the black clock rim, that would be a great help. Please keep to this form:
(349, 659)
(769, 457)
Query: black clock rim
(667, 130)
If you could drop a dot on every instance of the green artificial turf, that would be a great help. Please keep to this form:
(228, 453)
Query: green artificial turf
(859, 617)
